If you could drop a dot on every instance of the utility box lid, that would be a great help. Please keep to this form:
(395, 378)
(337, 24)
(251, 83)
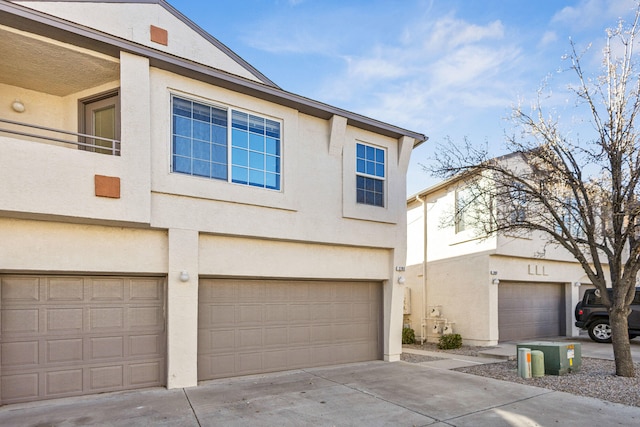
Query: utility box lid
(560, 358)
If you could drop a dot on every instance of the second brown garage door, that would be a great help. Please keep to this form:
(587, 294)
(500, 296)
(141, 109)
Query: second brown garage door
(255, 326)
(530, 310)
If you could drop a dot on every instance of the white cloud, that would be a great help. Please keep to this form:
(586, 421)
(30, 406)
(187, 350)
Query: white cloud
(548, 38)
(588, 13)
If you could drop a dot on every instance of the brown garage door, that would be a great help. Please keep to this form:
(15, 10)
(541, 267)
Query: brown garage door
(530, 310)
(65, 336)
(256, 326)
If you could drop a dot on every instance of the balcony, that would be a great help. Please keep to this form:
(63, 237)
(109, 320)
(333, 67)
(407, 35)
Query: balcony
(50, 88)
(60, 132)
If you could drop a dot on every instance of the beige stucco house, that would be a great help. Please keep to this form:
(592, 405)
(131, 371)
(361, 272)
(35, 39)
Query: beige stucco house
(169, 215)
(502, 287)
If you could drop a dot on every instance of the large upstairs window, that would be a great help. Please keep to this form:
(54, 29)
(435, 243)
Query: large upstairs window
(200, 144)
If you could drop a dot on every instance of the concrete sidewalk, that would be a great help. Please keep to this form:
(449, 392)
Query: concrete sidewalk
(365, 394)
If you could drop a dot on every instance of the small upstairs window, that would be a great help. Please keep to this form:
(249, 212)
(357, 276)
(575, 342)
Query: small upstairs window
(370, 175)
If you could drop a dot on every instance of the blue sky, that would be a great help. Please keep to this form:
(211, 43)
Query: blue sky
(445, 68)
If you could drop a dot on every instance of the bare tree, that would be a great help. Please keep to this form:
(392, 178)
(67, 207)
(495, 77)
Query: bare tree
(583, 196)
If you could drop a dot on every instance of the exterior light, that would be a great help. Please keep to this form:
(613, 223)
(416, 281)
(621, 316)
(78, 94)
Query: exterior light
(184, 276)
(18, 106)
(401, 280)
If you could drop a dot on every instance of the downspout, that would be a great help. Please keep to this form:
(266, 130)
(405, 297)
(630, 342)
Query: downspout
(423, 316)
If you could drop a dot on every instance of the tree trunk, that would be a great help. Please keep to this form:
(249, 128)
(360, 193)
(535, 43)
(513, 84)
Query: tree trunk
(621, 346)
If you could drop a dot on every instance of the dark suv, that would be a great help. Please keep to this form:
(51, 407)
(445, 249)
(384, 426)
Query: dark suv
(592, 315)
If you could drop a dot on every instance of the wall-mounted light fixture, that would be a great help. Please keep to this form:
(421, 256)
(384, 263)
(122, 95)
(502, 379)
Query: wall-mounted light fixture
(18, 106)
(401, 280)
(495, 281)
(577, 284)
(184, 276)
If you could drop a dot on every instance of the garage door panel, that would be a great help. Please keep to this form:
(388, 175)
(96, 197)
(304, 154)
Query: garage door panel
(20, 321)
(23, 353)
(16, 290)
(249, 314)
(112, 290)
(65, 289)
(530, 310)
(275, 313)
(63, 382)
(141, 318)
(64, 350)
(145, 345)
(24, 386)
(89, 334)
(299, 324)
(145, 374)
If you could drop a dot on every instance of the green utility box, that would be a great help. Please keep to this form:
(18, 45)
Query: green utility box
(560, 358)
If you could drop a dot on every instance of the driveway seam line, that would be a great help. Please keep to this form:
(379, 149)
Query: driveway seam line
(184, 390)
(500, 406)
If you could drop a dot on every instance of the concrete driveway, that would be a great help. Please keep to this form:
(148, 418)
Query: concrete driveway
(365, 394)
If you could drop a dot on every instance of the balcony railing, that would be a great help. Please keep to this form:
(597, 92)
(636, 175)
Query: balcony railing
(111, 146)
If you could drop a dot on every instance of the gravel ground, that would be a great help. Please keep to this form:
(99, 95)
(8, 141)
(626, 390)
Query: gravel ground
(595, 379)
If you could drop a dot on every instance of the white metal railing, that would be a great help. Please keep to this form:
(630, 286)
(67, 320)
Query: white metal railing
(113, 149)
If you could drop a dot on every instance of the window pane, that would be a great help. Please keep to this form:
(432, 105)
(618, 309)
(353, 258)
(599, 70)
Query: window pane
(219, 153)
(256, 178)
(240, 138)
(256, 142)
(181, 164)
(240, 175)
(181, 146)
(272, 181)
(219, 134)
(201, 131)
(379, 156)
(201, 168)
(371, 153)
(273, 129)
(380, 170)
(371, 168)
(273, 164)
(182, 107)
(201, 150)
(273, 146)
(360, 196)
(239, 157)
(219, 171)
(256, 125)
(360, 151)
(256, 160)
(240, 120)
(219, 117)
(202, 112)
(361, 166)
(181, 126)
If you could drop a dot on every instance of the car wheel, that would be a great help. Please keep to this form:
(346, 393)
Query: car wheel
(600, 331)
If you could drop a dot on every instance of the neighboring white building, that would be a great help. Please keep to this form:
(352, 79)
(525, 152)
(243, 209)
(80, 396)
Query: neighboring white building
(222, 226)
(497, 288)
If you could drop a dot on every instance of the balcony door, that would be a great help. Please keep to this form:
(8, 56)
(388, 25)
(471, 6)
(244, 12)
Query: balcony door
(101, 118)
